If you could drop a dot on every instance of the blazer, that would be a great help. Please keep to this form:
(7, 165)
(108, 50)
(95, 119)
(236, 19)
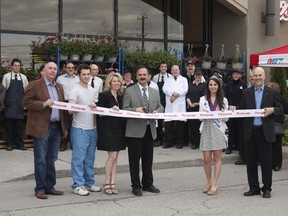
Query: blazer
(133, 99)
(270, 99)
(38, 119)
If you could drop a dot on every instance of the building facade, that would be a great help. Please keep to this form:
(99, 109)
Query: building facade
(170, 25)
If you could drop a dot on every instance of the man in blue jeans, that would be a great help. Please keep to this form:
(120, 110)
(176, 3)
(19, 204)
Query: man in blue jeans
(47, 126)
(83, 135)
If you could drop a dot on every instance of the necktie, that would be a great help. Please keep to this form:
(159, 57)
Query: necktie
(162, 78)
(92, 82)
(145, 99)
(15, 76)
(175, 78)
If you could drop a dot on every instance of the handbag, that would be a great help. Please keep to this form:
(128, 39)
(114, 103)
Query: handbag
(279, 128)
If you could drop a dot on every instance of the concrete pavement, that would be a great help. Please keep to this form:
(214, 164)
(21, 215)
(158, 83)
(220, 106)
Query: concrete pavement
(178, 174)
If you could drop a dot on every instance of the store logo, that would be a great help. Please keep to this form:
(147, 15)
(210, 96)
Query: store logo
(283, 11)
(275, 61)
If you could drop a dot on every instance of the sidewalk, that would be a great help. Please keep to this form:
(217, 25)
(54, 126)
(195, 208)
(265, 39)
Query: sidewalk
(18, 165)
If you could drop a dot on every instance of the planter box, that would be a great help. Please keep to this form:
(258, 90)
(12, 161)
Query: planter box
(99, 58)
(112, 59)
(63, 57)
(75, 57)
(221, 65)
(206, 65)
(87, 57)
(237, 65)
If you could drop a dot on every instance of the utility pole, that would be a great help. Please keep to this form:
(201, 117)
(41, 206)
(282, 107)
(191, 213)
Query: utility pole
(142, 35)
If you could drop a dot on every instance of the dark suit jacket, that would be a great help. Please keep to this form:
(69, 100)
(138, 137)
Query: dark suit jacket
(38, 119)
(133, 99)
(270, 99)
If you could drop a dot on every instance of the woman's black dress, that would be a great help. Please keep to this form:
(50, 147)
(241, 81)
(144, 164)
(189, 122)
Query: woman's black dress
(111, 130)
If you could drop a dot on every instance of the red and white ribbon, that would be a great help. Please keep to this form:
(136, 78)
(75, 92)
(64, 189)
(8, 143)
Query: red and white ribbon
(170, 116)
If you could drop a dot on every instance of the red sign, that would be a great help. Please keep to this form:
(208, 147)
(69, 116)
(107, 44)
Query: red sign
(283, 11)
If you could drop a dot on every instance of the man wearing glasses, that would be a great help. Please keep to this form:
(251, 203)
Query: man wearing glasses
(95, 82)
(67, 80)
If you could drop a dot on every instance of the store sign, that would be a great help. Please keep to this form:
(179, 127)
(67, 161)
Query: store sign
(283, 11)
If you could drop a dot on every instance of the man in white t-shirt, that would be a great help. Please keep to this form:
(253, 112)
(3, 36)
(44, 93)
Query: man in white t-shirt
(83, 135)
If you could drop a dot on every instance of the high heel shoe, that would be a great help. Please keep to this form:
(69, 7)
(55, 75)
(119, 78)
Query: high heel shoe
(212, 192)
(206, 188)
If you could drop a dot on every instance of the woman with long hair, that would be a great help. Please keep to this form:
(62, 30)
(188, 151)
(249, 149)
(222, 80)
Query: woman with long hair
(111, 130)
(213, 133)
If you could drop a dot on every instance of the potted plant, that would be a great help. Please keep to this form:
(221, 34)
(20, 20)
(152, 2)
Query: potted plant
(86, 50)
(50, 45)
(237, 61)
(221, 61)
(98, 50)
(111, 50)
(206, 60)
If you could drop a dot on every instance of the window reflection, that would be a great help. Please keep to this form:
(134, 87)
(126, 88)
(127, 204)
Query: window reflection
(95, 17)
(130, 26)
(18, 46)
(29, 15)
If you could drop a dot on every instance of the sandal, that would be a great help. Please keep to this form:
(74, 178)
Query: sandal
(206, 188)
(114, 189)
(212, 191)
(107, 189)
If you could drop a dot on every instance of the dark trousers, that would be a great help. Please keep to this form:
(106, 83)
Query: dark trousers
(259, 149)
(14, 132)
(235, 133)
(64, 141)
(141, 148)
(178, 126)
(277, 152)
(194, 131)
(160, 130)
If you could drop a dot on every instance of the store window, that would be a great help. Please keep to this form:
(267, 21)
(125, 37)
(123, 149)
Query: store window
(29, 15)
(185, 20)
(94, 17)
(18, 46)
(139, 19)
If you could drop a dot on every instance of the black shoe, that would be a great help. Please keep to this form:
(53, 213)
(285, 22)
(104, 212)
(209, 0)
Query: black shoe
(266, 194)
(277, 168)
(167, 146)
(179, 146)
(9, 148)
(193, 146)
(137, 191)
(240, 162)
(157, 143)
(151, 189)
(252, 193)
(21, 147)
(228, 151)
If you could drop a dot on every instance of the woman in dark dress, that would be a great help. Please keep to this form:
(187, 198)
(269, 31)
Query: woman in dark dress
(111, 130)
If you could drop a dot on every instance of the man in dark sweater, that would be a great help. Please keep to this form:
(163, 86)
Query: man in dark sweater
(233, 93)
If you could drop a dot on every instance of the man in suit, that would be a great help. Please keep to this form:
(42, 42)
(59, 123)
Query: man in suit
(46, 126)
(140, 133)
(259, 132)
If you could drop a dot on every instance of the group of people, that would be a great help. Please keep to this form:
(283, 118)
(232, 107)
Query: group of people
(171, 93)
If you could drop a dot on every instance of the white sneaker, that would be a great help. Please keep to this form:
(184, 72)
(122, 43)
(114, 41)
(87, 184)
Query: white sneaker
(82, 191)
(94, 188)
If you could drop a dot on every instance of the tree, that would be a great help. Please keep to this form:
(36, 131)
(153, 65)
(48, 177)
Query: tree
(278, 75)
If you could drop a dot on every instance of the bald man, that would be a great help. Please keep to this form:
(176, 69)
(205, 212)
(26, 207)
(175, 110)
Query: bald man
(46, 125)
(259, 132)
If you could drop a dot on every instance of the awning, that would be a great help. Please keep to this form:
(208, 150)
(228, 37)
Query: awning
(273, 58)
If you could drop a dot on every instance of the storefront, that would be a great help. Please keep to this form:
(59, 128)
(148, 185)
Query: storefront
(144, 24)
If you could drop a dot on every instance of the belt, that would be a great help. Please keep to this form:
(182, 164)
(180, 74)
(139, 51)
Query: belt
(256, 127)
(54, 122)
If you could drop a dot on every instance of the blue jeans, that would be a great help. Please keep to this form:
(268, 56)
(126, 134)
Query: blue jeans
(45, 154)
(83, 156)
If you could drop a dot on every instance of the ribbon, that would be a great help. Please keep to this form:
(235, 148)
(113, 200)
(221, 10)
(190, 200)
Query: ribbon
(170, 116)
